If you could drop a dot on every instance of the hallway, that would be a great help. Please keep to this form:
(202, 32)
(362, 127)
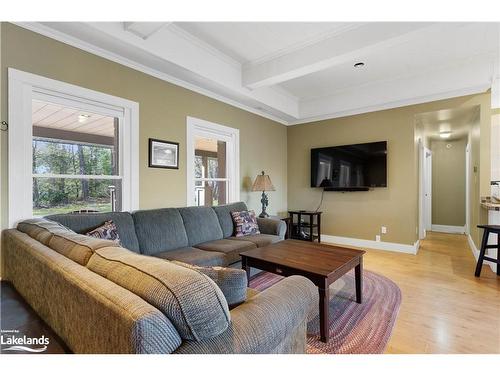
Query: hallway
(445, 309)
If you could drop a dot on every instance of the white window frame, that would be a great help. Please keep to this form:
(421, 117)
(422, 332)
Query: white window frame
(23, 89)
(201, 128)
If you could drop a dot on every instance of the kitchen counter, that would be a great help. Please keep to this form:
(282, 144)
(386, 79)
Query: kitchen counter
(490, 204)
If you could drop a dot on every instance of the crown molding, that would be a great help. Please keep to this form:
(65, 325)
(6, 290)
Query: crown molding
(88, 47)
(396, 104)
(467, 89)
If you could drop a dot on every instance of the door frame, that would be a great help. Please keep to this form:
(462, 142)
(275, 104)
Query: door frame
(467, 188)
(425, 185)
(428, 188)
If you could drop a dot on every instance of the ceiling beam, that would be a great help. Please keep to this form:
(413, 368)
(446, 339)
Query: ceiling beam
(175, 56)
(202, 61)
(343, 47)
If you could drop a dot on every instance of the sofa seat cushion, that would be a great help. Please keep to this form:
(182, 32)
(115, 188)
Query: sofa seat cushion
(77, 247)
(231, 281)
(260, 240)
(189, 299)
(230, 248)
(194, 256)
(85, 222)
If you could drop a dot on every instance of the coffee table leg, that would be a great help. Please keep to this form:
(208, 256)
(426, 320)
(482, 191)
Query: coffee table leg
(244, 265)
(358, 273)
(324, 299)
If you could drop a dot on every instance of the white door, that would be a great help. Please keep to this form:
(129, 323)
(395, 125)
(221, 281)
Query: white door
(428, 189)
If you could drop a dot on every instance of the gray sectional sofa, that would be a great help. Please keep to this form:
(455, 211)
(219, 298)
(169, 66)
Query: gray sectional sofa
(140, 297)
(201, 236)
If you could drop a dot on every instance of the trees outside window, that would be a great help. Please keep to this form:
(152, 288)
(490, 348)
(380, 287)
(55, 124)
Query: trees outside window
(71, 176)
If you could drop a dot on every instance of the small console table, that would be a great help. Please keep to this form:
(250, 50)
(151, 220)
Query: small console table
(305, 225)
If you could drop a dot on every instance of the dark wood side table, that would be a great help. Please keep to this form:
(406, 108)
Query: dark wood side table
(305, 230)
(322, 264)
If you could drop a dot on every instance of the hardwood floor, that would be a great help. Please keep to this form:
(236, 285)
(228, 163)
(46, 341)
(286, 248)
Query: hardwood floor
(445, 309)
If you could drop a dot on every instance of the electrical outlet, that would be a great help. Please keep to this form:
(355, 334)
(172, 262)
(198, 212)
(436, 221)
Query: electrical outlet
(377, 238)
(384, 230)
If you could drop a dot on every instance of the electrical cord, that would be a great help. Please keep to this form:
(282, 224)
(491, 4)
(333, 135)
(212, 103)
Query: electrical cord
(321, 201)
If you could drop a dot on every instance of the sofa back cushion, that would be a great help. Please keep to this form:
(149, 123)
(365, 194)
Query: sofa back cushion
(224, 215)
(39, 229)
(231, 281)
(159, 230)
(201, 224)
(77, 247)
(85, 222)
(191, 300)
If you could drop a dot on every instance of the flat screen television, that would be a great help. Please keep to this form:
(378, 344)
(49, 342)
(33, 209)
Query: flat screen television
(349, 168)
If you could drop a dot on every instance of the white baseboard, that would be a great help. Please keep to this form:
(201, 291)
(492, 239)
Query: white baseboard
(389, 246)
(475, 252)
(448, 229)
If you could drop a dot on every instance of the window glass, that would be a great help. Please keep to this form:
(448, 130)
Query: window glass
(75, 160)
(211, 183)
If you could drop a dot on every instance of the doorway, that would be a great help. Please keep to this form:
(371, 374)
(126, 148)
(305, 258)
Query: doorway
(445, 172)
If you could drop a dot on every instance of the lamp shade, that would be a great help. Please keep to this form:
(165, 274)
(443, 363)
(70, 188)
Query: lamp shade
(263, 183)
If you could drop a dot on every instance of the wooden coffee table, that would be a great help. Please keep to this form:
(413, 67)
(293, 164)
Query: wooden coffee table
(322, 264)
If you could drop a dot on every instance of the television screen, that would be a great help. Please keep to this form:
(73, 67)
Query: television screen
(350, 167)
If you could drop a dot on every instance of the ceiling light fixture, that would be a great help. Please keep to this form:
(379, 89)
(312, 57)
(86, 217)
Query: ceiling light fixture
(359, 65)
(83, 118)
(445, 135)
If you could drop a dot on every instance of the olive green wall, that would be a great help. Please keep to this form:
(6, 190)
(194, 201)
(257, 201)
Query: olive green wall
(448, 182)
(163, 111)
(361, 214)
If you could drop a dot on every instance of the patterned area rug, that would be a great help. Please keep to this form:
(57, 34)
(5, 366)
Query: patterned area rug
(354, 328)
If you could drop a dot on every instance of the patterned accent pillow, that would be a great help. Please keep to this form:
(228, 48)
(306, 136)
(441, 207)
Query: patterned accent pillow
(107, 231)
(245, 223)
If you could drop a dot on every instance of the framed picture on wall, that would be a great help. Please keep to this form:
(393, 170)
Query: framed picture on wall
(163, 154)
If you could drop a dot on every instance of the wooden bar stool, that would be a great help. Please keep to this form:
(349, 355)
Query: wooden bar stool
(488, 229)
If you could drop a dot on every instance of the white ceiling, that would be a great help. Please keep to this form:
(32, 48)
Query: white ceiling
(251, 41)
(458, 121)
(418, 55)
(296, 72)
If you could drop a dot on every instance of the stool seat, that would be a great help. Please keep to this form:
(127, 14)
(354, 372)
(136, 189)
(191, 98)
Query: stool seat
(491, 228)
(488, 229)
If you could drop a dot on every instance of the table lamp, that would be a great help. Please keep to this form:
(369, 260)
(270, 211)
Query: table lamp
(263, 183)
